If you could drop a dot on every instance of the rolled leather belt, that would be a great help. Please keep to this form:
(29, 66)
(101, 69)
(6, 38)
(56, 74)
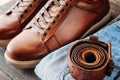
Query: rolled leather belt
(90, 59)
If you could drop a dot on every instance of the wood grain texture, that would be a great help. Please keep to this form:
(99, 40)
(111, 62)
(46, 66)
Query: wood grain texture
(8, 72)
(115, 7)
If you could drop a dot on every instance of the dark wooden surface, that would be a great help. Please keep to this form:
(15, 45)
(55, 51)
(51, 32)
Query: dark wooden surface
(8, 72)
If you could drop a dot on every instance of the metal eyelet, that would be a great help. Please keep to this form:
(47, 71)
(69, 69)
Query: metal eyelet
(62, 10)
(67, 4)
(44, 34)
(30, 5)
(25, 11)
(54, 22)
(21, 16)
(57, 16)
(49, 28)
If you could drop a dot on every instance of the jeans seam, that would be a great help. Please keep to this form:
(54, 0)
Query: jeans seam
(117, 76)
(118, 72)
(64, 73)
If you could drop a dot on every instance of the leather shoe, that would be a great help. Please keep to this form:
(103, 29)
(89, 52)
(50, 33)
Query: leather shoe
(13, 21)
(58, 23)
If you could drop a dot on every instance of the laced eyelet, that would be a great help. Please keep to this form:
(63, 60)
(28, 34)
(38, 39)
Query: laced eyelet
(62, 10)
(52, 3)
(21, 16)
(67, 4)
(57, 16)
(54, 22)
(30, 5)
(25, 11)
(49, 28)
(35, 0)
(44, 34)
(49, 14)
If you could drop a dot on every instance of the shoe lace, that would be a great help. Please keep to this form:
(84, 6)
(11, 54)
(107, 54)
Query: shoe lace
(21, 7)
(48, 14)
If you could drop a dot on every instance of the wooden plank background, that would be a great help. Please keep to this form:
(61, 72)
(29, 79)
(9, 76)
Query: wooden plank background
(8, 72)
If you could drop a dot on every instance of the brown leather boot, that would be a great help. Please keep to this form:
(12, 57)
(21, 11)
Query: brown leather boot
(12, 22)
(58, 23)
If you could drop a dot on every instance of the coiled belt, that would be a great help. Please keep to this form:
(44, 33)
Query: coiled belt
(90, 59)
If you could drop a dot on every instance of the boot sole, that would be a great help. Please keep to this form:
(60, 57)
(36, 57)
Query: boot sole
(21, 64)
(33, 63)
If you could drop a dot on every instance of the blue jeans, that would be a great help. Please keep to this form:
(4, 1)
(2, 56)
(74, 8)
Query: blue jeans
(55, 65)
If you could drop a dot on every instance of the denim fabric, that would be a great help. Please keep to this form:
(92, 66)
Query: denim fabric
(55, 65)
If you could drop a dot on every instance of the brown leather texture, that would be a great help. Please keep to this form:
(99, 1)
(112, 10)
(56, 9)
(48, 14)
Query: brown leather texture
(89, 59)
(12, 22)
(56, 24)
